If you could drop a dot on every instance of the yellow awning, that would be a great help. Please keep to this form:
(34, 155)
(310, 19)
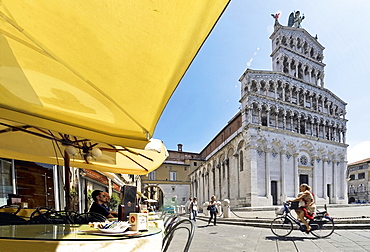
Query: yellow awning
(37, 145)
(94, 69)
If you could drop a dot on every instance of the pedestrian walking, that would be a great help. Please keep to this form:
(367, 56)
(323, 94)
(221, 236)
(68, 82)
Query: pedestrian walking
(194, 209)
(212, 210)
(187, 205)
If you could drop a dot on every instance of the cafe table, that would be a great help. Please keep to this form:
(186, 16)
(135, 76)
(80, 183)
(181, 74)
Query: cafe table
(72, 237)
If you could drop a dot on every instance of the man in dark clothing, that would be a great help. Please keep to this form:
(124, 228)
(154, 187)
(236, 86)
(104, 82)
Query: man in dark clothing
(98, 207)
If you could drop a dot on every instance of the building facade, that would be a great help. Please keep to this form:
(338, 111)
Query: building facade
(290, 130)
(43, 185)
(170, 183)
(358, 181)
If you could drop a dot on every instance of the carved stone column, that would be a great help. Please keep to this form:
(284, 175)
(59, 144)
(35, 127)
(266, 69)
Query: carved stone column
(236, 155)
(312, 122)
(276, 119)
(324, 178)
(284, 120)
(336, 176)
(296, 175)
(314, 175)
(344, 135)
(267, 174)
(228, 176)
(291, 122)
(259, 115)
(282, 174)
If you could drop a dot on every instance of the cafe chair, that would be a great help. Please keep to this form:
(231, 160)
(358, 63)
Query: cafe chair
(11, 219)
(170, 222)
(85, 218)
(44, 215)
(185, 225)
(13, 209)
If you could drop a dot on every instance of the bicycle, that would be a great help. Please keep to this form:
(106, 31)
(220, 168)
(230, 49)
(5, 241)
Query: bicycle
(322, 225)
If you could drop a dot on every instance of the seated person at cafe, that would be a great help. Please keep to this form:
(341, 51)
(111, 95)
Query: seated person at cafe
(97, 206)
(107, 204)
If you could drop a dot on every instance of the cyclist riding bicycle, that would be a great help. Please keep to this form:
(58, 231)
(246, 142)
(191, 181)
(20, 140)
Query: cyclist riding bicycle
(307, 209)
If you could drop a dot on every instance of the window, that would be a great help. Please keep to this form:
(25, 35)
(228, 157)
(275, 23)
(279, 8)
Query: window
(361, 175)
(241, 161)
(195, 163)
(351, 189)
(152, 175)
(173, 176)
(5, 181)
(303, 160)
(361, 188)
(352, 177)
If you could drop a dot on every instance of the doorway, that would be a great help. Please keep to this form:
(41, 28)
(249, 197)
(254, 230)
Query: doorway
(303, 179)
(328, 192)
(274, 192)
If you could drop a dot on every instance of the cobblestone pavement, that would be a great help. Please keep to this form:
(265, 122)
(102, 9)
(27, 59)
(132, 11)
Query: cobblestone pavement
(244, 239)
(236, 238)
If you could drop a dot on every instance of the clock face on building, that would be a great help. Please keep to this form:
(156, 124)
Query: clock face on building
(303, 160)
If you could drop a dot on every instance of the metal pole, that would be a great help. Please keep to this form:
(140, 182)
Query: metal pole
(67, 181)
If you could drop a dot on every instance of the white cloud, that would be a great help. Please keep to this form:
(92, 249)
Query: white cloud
(358, 152)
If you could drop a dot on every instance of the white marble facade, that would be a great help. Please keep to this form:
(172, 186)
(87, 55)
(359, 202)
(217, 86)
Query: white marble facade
(293, 131)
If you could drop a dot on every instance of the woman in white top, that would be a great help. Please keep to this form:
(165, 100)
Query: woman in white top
(194, 208)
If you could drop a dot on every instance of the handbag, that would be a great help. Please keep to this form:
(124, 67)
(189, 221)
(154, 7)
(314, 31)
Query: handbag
(208, 208)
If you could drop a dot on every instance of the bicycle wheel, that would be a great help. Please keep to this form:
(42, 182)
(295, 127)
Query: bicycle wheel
(281, 226)
(324, 228)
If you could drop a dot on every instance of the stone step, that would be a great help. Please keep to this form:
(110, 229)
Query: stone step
(265, 223)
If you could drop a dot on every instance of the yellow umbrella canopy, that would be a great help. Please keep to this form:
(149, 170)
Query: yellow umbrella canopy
(40, 145)
(99, 70)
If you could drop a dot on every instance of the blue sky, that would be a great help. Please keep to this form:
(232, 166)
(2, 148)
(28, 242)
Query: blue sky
(208, 95)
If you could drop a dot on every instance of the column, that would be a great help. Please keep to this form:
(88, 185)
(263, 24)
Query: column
(277, 119)
(259, 115)
(291, 123)
(284, 120)
(282, 175)
(318, 129)
(267, 174)
(219, 181)
(214, 180)
(203, 189)
(236, 155)
(335, 181)
(324, 177)
(268, 116)
(312, 122)
(344, 135)
(228, 177)
(314, 176)
(296, 175)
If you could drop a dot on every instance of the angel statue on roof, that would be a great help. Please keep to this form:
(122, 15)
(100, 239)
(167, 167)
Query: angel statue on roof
(295, 19)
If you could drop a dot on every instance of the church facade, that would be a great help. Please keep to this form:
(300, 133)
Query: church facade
(290, 130)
